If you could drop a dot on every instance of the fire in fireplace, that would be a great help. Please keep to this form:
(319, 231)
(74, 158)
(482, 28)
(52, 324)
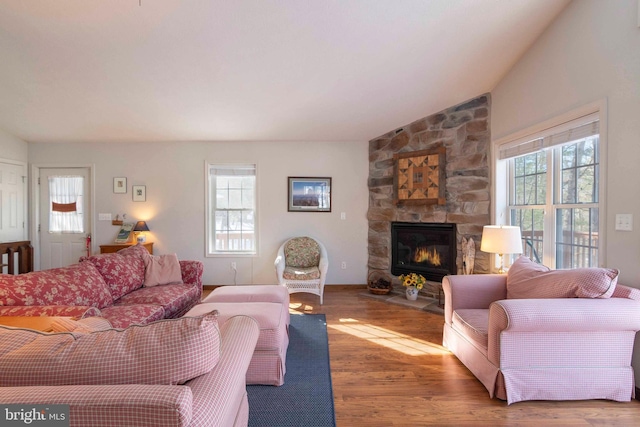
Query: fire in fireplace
(425, 248)
(429, 256)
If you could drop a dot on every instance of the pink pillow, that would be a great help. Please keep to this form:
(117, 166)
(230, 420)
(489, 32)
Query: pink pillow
(526, 279)
(169, 352)
(83, 326)
(161, 270)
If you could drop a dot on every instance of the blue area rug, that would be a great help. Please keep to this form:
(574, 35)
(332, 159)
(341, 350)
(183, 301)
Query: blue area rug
(306, 398)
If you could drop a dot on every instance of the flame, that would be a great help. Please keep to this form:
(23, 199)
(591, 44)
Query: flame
(426, 255)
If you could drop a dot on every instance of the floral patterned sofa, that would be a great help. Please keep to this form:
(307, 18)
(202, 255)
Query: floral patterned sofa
(108, 285)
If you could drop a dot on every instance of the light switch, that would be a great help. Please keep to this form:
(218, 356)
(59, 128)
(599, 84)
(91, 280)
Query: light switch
(624, 222)
(343, 215)
(104, 217)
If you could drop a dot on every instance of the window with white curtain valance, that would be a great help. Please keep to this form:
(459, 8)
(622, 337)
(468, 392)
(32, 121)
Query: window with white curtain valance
(65, 210)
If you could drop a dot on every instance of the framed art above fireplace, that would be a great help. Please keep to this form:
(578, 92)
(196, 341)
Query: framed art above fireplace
(420, 177)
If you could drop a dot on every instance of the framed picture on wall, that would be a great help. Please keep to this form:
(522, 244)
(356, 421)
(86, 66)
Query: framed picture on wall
(139, 193)
(120, 185)
(307, 194)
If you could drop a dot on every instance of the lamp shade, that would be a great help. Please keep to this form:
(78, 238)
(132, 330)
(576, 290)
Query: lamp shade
(141, 226)
(501, 239)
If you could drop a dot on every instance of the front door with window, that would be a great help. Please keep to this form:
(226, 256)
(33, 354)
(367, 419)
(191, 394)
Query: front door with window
(64, 219)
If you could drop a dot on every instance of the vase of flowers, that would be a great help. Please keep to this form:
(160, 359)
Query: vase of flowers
(413, 282)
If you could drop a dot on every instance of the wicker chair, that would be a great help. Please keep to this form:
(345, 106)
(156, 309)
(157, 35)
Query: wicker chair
(301, 266)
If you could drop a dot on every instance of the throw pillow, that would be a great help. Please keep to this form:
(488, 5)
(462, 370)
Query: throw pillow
(166, 352)
(85, 326)
(123, 271)
(526, 279)
(302, 252)
(161, 270)
(136, 250)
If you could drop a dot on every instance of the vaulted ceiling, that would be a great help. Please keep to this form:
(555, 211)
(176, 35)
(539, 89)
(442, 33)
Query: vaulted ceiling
(264, 70)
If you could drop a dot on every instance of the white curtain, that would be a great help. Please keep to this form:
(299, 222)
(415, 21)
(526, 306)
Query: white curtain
(65, 208)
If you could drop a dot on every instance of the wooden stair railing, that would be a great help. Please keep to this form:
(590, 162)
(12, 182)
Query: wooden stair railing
(24, 252)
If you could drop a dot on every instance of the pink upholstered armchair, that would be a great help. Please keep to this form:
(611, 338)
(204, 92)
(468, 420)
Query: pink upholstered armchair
(543, 348)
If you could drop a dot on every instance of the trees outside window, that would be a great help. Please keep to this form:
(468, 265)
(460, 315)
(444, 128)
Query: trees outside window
(569, 210)
(548, 183)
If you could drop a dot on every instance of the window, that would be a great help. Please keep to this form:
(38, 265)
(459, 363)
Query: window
(65, 210)
(231, 221)
(552, 187)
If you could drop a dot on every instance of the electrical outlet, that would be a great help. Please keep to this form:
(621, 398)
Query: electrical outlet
(233, 265)
(344, 265)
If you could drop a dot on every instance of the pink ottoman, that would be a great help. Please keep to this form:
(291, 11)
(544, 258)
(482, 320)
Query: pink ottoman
(268, 364)
(251, 293)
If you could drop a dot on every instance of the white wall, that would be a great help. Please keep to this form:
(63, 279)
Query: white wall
(591, 52)
(174, 175)
(12, 148)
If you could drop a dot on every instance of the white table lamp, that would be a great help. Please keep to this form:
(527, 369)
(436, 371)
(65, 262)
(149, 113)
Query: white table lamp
(139, 229)
(501, 239)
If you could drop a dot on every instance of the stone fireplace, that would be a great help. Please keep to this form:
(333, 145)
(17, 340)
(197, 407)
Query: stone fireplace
(464, 131)
(425, 248)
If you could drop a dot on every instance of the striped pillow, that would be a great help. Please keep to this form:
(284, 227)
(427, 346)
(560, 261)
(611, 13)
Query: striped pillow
(527, 279)
(166, 352)
(82, 326)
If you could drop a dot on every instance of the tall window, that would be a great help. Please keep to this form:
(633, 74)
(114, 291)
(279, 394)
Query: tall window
(232, 221)
(552, 187)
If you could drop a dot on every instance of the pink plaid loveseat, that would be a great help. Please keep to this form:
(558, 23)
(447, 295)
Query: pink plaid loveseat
(109, 285)
(572, 345)
(185, 372)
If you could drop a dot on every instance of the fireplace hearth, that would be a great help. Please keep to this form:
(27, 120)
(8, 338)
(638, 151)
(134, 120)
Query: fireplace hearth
(425, 248)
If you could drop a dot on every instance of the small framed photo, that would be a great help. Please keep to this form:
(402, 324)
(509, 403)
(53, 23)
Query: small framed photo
(307, 194)
(139, 193)
(120, 185)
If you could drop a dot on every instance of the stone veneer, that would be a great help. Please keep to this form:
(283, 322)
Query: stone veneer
(465, 133)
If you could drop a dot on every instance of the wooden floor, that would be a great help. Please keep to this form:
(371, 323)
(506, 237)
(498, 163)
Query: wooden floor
(389, 369)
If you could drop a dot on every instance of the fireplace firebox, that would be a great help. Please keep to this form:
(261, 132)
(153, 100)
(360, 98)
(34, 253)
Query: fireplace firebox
(425, 248)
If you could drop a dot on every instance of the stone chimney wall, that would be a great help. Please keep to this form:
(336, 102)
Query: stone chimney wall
(464, 130)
